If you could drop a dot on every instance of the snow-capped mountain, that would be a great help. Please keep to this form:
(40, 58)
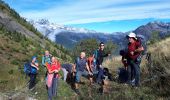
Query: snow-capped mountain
(68, 36)
(50, 30)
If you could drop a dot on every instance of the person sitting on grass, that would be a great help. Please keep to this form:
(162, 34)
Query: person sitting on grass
(81, 68)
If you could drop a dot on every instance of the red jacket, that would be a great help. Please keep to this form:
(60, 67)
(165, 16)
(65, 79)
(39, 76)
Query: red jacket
(54, 66)
(131, 48)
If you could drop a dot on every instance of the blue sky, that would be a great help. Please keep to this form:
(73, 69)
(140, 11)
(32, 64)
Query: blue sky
(100, 15)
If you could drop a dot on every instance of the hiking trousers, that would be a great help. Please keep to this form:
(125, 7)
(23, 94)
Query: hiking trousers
(65, 73)
(99, 75)
(32, 80)
(134, 72)
(79, 74)
(52, 91)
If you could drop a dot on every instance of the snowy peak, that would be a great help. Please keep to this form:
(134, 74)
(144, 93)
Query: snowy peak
(44, 23)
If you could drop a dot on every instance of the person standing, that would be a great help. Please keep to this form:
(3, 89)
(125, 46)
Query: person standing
(52, 77)
(134, 59)
(33, 72)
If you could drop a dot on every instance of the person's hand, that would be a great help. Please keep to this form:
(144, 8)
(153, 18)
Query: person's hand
(56, 71)
(90, 73)
(74, 70)
(132, 53)
(37, 68)
(101, 66)
(109, 54)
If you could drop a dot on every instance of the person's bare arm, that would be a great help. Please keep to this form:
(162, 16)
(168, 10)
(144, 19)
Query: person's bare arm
(35, 65)
(51, 71)
(140, 49)
(88, 69)
(74, 68)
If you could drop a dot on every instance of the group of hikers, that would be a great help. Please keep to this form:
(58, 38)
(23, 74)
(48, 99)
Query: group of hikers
(91, 67)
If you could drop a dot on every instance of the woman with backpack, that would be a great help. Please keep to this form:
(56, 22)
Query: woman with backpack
(33, 72)
(135, 49)
(52, 77)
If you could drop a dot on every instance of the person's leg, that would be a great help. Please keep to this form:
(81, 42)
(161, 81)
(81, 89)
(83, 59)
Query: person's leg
(32, 81)
(129, 69)
(86, 74)
(54, 86)
(137, 73)
(50, 93)
(99, 76)
(65, 73)
(77, 79)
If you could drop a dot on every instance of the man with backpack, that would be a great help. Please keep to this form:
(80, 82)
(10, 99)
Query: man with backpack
(82, 69)
(135, 49)
(99, 55)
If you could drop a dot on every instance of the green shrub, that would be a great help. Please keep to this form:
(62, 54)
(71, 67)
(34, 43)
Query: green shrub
(15, 62)
(11, 72)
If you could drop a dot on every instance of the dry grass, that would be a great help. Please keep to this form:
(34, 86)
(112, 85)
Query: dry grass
(160, 69)
(113, 64)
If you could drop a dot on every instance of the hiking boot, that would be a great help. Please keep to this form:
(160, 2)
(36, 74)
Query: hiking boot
(77, 92)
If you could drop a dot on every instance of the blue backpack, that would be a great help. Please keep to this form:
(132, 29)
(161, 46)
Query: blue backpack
(27, 68)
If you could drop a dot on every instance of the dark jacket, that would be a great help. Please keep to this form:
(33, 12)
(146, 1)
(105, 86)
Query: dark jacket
(101, 54)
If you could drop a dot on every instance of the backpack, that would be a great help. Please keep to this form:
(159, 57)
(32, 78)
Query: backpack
(96, 54)
(46, 59)
(27, 68)
(122, 75)
(108, 74)
(143, 41)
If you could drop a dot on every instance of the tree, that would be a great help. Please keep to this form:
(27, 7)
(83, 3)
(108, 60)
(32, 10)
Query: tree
(110, 46)
(87, 45)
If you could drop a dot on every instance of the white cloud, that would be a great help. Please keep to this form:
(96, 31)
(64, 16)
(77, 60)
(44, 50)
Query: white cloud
(88, 11)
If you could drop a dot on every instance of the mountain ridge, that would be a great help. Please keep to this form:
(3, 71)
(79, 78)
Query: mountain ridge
(69, 36)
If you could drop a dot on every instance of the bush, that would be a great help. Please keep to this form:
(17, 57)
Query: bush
(15, 62)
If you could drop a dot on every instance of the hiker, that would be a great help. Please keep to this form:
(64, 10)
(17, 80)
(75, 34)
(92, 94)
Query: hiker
(46, 59)
(134, 59)
(99, 54)
(92, 64)
(67, 70)
(33, 72)
(52, 77)
(82, 69)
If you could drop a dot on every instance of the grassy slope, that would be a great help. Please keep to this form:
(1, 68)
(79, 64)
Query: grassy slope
(16, 49)
(12, 79)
